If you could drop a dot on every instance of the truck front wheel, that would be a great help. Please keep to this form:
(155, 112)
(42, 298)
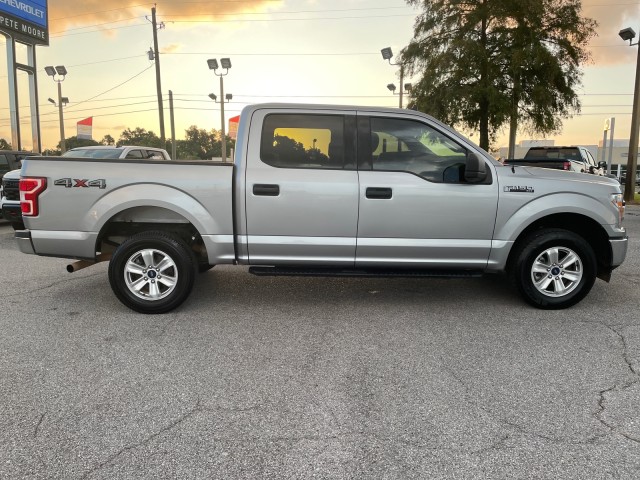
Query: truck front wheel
(152, 272)
(554, 268)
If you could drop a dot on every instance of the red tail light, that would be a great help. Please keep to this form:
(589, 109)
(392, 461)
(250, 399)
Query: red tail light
(30, 190)
(566, 165)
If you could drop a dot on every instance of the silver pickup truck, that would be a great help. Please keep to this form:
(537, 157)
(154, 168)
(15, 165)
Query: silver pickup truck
(326, 190)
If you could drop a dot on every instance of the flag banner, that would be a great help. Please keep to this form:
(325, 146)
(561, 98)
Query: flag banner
(85, 128)
(233, 127)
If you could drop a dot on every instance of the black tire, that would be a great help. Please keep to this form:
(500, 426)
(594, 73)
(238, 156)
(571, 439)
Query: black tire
(541, 275)
(158, 289)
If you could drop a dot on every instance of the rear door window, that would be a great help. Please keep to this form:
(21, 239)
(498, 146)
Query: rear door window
(303, 141)
(135, 154)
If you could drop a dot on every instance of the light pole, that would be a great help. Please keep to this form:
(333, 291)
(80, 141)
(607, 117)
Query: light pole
(632, 159)
(407, 90)
(213, 65)
(61, 71)
(386, 55)
(228, 97)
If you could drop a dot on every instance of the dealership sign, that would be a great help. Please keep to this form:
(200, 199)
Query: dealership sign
(25, 20)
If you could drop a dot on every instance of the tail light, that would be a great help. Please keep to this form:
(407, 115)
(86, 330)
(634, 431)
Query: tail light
(30, 190)
(566, 165)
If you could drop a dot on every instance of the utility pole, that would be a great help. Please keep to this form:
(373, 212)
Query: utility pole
(222, 129)
(157, 60)
(173, 127)
(63, 146)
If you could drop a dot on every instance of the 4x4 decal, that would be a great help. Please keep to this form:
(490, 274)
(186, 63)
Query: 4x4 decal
(80, 183)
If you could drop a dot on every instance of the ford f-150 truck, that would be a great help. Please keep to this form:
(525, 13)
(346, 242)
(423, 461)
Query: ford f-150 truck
(326, 190)
(573, 159)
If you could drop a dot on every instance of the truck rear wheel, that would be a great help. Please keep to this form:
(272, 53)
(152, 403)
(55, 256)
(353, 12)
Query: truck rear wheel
(554, 268)
(152, 272)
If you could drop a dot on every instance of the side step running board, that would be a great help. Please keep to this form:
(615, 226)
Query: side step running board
(343, 272)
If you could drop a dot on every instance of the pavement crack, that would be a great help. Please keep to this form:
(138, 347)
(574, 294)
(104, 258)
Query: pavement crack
(37, 429)
(625, 353)
(175, 423)
(512, 425)
(602, 394)
(499, 443)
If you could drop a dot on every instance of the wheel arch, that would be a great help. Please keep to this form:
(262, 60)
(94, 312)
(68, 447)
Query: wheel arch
(579, 224)
(141, 218)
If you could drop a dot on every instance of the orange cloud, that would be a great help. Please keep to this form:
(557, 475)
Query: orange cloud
(607, 47)
(173, 48)
(67, 14)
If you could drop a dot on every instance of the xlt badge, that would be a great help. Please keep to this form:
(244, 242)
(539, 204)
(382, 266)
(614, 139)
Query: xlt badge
(519, 189)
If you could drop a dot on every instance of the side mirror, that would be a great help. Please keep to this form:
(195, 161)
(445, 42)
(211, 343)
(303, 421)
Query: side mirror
(475, 170)
(602, 165)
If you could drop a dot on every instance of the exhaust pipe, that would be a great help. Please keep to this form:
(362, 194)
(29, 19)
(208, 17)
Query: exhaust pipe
(80, 264)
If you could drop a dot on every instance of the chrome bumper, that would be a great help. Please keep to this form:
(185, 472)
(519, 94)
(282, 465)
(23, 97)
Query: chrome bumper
(23, 237)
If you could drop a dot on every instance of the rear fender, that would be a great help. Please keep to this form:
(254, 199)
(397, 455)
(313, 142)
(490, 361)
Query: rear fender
(171, 199)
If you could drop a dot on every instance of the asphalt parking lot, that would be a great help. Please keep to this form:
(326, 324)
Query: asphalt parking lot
(316, 378)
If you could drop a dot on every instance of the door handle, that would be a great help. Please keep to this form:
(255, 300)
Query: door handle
(266, 190)
(379, 193)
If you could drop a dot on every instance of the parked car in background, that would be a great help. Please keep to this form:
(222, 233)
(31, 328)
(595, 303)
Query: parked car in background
(11, 160)
(123, 152)
(10, 199)
(623, 179)
(571, 158)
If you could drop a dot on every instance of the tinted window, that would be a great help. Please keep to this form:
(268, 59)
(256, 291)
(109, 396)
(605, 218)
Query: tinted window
(135, 154)
(93, 153)
(410, 146)
(303, 141)
(3, 161)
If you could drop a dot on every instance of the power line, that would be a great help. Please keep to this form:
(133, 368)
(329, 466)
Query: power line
(94, 25)
(107, 61)
(305, 19)
(102, 11)
(235, 14)
(113, 88)
(97, 31)
(337, 54)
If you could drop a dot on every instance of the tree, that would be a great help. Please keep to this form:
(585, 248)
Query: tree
(69, 143)
(485, 63)
(200, 144)
(4, 145)
(108, 140)
(75, 142)
(140, 137)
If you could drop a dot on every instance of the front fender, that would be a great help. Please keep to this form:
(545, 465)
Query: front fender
(514, 218)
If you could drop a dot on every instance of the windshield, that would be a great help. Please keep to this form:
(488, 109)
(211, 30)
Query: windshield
(94, 153)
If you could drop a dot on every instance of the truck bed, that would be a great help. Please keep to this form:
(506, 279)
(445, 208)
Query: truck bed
(82, 195)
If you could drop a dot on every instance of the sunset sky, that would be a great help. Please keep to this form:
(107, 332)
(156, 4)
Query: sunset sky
(316, 51)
